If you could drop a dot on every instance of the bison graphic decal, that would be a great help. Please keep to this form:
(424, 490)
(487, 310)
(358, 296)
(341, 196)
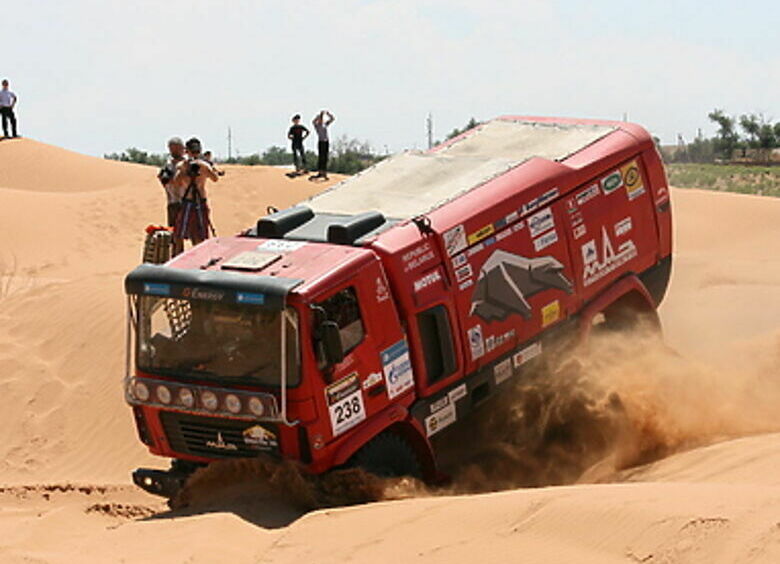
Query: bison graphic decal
(506, 281)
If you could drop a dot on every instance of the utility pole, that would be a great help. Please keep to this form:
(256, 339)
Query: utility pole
(429, 123)
(625, 116)
(230, 143)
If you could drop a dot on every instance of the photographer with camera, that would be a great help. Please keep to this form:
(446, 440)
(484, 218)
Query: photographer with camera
(165, 176)
(193, 220)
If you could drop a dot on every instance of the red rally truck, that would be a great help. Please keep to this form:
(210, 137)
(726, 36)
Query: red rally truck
(357, 326)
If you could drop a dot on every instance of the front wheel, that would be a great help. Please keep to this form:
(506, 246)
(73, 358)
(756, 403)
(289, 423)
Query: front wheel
(388, 455)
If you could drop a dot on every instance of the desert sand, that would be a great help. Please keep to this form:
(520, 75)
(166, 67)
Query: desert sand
(71, 227)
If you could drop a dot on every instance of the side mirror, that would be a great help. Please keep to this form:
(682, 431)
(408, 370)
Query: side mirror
(331, 343)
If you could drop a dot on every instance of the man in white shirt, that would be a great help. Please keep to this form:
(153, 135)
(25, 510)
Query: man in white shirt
(7, 102)
(166, 176)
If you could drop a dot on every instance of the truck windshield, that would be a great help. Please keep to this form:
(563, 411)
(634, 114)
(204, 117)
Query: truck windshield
(216, 341)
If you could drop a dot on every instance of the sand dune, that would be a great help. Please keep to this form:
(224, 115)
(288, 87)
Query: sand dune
(71, 228)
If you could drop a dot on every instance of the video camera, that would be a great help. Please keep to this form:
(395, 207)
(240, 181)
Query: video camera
(193, 169)
(166, 174)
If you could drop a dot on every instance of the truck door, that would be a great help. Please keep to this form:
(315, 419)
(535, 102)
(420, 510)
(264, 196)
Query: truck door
(611, 227)
(376, 368)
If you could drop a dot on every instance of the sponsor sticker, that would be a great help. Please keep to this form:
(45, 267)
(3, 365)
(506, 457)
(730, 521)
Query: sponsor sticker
(455, 240)
(551, 313)
(588, 194)
(457, 393)
(281, 246)
(580, 231)
(157, 289)
(247, 298)
(467, 284)
(260, 438)
(490, 343)
(220, 443)
(440, 420)
(427, 280)
(528, 353)
(459, 260)
(503, 234)
(397, 368)
(597, 267)
(611, 182)
(633, 180)
(545, 240)
(372, 380)
(464, 272)
(439, 404)
(345, 404)
(201, 294)
(518, 226)
(476, 342)
(540, 222)
(481, 233)
(623, 226)
(540, 201)
(502, 371)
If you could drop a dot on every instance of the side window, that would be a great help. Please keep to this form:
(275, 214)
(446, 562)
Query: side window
(343, 308)
(437, 346)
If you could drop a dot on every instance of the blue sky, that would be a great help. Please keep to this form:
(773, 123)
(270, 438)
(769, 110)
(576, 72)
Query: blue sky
(98, 76)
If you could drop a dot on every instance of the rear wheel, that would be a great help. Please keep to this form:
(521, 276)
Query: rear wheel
(388, 455)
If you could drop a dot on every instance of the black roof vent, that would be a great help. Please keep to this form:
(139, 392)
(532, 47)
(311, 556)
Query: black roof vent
(349, 230)
(278, 224)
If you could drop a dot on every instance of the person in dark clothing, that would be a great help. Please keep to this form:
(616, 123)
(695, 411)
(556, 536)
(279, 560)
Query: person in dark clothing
(7, 102)
(321, 125)
(297, 134)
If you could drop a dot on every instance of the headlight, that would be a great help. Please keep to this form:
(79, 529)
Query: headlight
(141, 391)
(209, 400)
(256, 406)
(164, 395)
(232, 403)
(186, 398)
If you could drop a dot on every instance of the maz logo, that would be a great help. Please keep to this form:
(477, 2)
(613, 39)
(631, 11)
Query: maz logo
(597, 268)
(221, 444)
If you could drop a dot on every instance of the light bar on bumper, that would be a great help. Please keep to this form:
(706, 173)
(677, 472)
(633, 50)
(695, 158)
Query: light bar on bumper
(203, 400)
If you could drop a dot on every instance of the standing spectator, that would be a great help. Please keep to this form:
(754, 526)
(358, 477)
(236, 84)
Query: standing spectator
(209, 159)
(323, 146)
(7, 102)
(297, 134)
(193, 222)
(165, 176)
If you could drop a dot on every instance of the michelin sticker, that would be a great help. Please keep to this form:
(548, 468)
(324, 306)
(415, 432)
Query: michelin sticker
(597, 267)
(345, 404)
(455, 240)
(397, 368)
(476, 342)
(441, 419)
(540, 222)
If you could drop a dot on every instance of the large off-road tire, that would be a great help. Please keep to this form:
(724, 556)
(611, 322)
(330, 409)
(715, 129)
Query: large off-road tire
(388, 455)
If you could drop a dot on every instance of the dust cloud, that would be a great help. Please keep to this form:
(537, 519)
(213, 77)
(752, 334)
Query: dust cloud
(627, 400)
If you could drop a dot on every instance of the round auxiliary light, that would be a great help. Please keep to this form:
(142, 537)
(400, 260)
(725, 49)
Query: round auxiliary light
(141, 391)
(164, 395)
(209, 400)
(256, 406)
(232, 403)
(186, 398)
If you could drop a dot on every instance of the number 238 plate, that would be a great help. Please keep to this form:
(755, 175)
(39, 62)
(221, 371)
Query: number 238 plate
(345, 404)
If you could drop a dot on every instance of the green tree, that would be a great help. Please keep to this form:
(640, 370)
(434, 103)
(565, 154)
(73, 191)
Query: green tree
(727, 139)
(471, 124)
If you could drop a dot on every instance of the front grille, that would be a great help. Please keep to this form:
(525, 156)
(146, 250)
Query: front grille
(213, 437)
